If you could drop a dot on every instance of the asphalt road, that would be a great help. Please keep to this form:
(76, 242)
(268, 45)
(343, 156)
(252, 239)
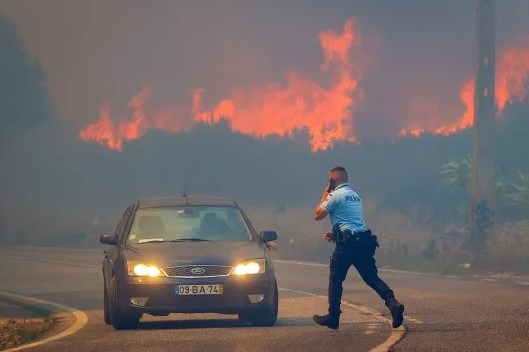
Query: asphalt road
(442, 313)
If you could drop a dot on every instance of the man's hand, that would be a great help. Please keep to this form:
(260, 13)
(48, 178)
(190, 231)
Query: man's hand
(328, 236)
(272, 246)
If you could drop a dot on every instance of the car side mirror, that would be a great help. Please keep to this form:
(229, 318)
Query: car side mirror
(267, 236)
(108, 239)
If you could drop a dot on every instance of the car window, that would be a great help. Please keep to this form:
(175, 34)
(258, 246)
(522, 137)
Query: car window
(128, 222)
(122, 223)
(211, 223)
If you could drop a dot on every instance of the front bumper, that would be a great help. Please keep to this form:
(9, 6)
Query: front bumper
(240, 293)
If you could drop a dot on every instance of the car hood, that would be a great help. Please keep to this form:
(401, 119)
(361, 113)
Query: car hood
(192, 253)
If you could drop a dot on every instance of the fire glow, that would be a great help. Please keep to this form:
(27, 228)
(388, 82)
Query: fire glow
(299, 103)
(512, 74)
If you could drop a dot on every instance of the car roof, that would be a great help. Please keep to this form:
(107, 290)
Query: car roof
(185, 200)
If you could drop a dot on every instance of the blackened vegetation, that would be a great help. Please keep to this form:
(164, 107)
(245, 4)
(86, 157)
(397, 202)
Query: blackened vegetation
(484, 216)
(24, 98)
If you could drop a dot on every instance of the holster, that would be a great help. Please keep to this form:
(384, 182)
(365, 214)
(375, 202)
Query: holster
(364, 239)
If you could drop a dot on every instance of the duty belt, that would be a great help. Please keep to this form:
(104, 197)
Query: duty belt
(347, 237)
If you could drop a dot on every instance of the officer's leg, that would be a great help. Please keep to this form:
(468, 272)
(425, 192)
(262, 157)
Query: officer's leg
(366, 266)
(339, 265)
(367, 269)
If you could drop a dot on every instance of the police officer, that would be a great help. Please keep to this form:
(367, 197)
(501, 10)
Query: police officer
(355, 245)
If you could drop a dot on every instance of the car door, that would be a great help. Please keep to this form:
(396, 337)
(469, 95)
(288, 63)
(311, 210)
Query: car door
(112, 252)
(270, 266)
(250, 225)
(123, 234)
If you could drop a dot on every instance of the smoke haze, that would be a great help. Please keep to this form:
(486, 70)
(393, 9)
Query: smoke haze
(106, 102)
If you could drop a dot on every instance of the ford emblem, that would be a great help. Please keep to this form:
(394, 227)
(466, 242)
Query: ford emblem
(198, 271)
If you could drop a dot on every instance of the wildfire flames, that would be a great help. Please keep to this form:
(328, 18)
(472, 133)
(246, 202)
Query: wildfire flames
(512, 74)
(513, 69)
(300, 103)
(112, 135)
(326, 113)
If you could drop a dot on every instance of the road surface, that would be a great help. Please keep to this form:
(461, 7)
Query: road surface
(442, 313)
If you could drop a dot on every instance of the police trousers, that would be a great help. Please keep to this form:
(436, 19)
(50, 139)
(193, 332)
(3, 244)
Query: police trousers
(361, 255)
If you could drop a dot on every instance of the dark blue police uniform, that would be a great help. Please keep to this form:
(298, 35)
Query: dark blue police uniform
(355, 245)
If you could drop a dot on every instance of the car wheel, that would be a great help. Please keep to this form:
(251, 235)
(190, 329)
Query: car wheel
(120, 320)
(267, 314)
(106, 305)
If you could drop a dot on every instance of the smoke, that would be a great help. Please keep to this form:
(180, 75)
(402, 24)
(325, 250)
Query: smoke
(24, 98)
(300, 103)
(512, 77)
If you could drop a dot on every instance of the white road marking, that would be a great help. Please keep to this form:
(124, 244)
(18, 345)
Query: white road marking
(371, 328)
(360, 307)
(386, 270)
(80, 319)
(395, 336)
(300, 263)
(490, 280)
(522, 283)
(51, 261)
(413, 320)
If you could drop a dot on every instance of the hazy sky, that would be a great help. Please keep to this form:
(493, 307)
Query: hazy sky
(414, 57)
(106, 51)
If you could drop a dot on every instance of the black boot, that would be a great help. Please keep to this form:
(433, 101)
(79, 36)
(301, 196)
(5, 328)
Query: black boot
(397, 312)
(331, 320)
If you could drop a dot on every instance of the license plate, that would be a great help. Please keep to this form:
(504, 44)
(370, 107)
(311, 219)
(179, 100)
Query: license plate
(184, 290)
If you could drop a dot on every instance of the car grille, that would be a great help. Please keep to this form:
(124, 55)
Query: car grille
(197, 271)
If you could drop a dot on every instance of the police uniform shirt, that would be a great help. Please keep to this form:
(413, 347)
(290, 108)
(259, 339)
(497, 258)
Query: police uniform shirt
(344, 207)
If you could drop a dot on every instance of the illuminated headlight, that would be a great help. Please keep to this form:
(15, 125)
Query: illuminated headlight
(256, 266)
(140, 269)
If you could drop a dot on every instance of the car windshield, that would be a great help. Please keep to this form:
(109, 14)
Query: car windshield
(189, 223)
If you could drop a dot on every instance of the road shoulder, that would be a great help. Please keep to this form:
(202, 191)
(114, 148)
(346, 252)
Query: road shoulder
(42, 321)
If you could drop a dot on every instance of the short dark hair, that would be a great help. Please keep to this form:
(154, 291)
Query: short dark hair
(339, 168)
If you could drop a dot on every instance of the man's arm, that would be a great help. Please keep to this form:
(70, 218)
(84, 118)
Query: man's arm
(320, 213)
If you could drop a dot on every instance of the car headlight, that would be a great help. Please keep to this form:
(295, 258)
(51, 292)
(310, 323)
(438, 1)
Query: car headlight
(256, 266)
(141, 269)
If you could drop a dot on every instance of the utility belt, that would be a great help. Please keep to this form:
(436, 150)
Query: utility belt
(346, 237)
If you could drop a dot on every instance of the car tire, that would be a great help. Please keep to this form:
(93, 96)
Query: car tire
(120, 320)
(267, 314)
(106, 305)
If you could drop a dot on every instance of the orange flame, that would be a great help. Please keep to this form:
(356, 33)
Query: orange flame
(513, 72)
(326, 113)
(106, 132)
(112, 135)
(511, 86)
(103, 131)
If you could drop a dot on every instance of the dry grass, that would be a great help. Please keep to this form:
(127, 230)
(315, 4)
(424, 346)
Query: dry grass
(403, 243)
(16, 332)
